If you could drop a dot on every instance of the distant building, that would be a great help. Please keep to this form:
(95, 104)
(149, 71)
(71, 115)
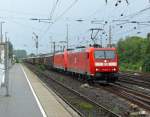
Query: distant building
(20, 53)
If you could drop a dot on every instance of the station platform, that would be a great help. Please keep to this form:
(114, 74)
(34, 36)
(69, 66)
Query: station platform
(29, 97)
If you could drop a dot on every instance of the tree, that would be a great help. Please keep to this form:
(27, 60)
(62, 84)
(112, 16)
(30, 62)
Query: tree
(146, 62)
(132, 51)
(10, 49)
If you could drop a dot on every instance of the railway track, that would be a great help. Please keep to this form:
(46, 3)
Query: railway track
(131, 95)
(141, 76)
(146, 98)
(135, 80)
(64, 92)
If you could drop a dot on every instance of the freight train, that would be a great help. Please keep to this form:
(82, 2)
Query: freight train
(91, 63)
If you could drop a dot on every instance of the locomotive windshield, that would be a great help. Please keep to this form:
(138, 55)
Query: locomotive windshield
(106, 54)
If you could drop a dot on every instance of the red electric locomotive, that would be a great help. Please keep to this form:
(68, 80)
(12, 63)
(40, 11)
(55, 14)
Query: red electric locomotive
(104, 64)
(98, 64)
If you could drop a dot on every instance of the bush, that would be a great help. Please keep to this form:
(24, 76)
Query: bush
(130, 67)
(17, 60)
(41, 67)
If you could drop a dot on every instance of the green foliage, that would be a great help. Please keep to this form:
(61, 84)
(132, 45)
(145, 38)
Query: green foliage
(41, 67)
(116, 109)
(17, 61)
(61, 79)
(132, 52)
(86, 106)
(146, 63)
(10, 49)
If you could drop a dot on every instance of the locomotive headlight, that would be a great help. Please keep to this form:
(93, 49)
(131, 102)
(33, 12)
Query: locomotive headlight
(113, 64)
(98, 64)
(114, 69)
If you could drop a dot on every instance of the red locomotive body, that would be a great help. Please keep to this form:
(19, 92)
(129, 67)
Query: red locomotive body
(59, 61)
(105, 64)
(77, 61)
(95, 63)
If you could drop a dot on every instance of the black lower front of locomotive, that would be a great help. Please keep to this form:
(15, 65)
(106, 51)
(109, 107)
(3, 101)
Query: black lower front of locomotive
(106, 77)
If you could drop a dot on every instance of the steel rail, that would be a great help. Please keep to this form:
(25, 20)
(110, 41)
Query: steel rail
(135, 97)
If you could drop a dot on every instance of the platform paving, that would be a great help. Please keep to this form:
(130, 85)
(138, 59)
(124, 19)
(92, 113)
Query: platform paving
(21, 102)
(29, 97)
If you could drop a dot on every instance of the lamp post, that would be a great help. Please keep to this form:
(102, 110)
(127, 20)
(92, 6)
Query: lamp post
(6, 36)
(2, 30)
(67, 35)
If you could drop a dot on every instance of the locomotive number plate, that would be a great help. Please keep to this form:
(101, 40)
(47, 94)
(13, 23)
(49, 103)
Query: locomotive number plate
(105, 64)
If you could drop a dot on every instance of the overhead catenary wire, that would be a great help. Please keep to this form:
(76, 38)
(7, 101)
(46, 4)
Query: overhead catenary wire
(110, 16)
(53, 9)
(136, 14)
(24, 25)
(14, 18)
(55, 19)
(140, 12)
(118, 32)
(66, 10)
(22, 13)
(95, 12)
(22, 29)
(104, 11)
(106, 1)
(121, 18)
(59, 17)
(130, 16)
(131, 30)
(134, 22)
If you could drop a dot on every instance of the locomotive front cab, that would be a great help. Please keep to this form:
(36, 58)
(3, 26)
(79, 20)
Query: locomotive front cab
(106, 63)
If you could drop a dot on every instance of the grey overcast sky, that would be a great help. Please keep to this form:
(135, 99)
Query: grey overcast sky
(17, 14)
